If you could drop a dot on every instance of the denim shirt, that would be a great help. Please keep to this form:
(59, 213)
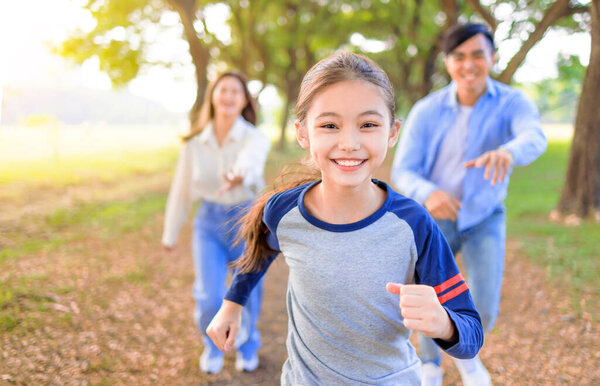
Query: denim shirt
(502, 117)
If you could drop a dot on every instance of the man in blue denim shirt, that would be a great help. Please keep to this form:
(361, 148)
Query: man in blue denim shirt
(455, 156)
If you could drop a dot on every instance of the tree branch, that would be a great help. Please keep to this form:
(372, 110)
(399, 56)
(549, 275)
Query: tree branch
(555, 12)
(484, 13)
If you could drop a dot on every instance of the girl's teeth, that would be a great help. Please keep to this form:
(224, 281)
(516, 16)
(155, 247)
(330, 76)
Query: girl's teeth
(348, 163)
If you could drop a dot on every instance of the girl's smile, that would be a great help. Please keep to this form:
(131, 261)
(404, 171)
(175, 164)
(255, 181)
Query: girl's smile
(348, 130)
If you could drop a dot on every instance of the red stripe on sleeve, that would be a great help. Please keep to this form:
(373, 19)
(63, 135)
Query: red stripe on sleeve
(454, 293)
(448, 283)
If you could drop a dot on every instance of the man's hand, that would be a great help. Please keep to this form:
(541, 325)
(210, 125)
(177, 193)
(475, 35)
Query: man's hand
(442, 205)
(498, 161)
(422, 311)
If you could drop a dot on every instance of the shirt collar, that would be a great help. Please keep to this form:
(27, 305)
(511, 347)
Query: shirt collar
(452, 101)
(236, 133)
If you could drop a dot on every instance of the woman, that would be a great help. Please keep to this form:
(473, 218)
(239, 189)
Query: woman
(221, 163)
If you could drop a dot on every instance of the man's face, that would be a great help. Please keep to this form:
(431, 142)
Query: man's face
(469, 64)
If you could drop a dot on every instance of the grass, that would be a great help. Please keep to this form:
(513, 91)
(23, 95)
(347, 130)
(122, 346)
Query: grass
(73, 169)
(107, 220)
(569, 254)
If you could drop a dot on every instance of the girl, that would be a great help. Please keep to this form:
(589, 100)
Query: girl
(222, 163)
(347, 239)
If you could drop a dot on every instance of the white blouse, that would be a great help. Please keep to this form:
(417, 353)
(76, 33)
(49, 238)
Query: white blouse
(200, 168)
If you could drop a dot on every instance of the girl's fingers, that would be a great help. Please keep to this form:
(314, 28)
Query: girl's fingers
(393, 288)
(231, 335)
(215, 337)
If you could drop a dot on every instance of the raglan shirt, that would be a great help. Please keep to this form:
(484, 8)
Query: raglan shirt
(343, 326)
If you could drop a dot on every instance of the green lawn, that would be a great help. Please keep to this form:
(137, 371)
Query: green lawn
(571, 255)
(76, 169)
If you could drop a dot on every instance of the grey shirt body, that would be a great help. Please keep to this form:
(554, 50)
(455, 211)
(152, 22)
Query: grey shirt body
(344, 327)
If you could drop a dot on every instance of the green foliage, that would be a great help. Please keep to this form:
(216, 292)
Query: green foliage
(557, 98)
(569, 253)
(118, 39)
(276, 42)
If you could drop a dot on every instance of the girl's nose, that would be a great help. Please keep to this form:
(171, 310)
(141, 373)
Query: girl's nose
(349, 140)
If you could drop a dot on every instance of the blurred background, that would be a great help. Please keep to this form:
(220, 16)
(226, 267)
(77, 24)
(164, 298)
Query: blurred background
(95, 93)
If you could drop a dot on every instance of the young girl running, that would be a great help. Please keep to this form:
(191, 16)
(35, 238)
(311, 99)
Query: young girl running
(367, 265)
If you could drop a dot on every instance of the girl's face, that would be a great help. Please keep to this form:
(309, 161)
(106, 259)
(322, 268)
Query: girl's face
(228, 98)
(348, 131)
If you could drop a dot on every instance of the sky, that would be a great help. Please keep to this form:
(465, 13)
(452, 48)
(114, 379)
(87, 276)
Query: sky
(29, 27)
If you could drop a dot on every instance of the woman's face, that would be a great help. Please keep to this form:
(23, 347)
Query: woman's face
(228, 98)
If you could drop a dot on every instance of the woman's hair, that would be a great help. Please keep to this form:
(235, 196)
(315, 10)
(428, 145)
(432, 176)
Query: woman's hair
(207, 110)
(339, 67)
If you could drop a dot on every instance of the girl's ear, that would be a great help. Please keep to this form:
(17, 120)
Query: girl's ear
(302, 135)
(394, 133)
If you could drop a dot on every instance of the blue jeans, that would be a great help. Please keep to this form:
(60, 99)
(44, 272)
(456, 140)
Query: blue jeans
(215, 232)
(482, 248)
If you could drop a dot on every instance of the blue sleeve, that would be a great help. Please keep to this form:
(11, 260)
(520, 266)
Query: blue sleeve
(409, 160)
(529, 141)
(243, 283)
(436, 267)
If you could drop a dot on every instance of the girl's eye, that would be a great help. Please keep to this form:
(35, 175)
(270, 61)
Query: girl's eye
(370, 125)
(328, 126)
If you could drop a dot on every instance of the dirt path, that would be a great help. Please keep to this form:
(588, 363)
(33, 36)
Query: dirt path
(121, 312)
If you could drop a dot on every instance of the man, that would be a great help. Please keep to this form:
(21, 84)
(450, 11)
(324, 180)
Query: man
(455, 155)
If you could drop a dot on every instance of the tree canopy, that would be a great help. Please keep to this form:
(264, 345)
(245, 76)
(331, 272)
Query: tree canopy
(276, 42)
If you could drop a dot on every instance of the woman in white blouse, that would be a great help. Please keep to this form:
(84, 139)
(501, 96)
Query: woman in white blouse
(221, 163)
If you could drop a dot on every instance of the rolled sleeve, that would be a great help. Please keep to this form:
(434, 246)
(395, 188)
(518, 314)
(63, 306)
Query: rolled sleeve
(529, 141)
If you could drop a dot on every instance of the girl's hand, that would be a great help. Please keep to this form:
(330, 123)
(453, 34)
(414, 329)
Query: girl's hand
(422, 311)
(224, 327)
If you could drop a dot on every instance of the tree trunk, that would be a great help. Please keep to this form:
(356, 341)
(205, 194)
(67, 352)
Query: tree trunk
(200, 55)
(581, 190)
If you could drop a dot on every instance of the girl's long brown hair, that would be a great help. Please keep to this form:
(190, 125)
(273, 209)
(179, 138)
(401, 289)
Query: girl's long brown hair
(207, 110)
(339, 67)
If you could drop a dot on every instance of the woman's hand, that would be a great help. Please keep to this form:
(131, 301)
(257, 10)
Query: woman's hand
(231, 181)
(224, 327)
(422, 311)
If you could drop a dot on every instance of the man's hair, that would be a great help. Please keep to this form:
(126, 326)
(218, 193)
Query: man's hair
(457, 34)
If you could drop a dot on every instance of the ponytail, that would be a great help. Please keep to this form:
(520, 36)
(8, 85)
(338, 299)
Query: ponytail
(254, 231)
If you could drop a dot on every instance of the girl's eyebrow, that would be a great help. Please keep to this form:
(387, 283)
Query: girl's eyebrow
(334, 114)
